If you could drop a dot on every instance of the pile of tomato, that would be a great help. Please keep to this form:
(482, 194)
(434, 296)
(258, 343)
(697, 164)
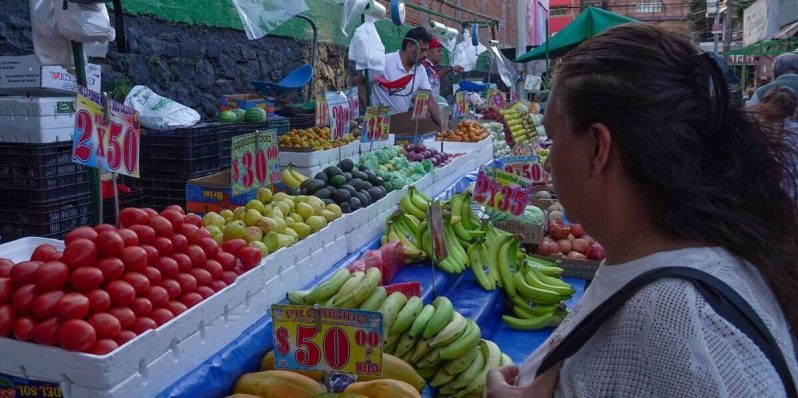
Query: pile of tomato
(111, 284)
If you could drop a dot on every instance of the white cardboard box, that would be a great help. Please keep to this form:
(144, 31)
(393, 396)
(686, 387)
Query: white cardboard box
(25, 75)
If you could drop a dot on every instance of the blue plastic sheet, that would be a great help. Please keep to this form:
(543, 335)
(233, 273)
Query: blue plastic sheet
(216, 376)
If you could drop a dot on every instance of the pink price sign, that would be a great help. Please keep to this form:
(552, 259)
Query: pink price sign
(339, 115)
(421, 105)
(528, 167)
(502, 191)
(378, 121)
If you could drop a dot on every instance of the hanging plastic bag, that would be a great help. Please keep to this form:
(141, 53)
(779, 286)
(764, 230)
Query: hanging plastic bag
(366, 48)
(50, 46)
(85, 23)
(261, 17)
(505, 68)
(160, 113)
(351, 14)
(465, 54)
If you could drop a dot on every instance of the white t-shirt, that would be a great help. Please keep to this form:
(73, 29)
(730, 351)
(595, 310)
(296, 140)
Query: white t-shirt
(667, 341)
(402, 100)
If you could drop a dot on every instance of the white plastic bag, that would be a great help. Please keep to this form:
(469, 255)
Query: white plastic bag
(351, 14)
(85, 23)
(50, 46)
(160, 113)
(505, 68)
(261, 17)
(465, 54)
(366, 48)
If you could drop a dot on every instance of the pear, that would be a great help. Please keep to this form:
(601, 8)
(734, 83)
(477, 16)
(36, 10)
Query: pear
(238, 213)
(280, 225)
(276, 213)
(300, 198)
(264, 250)
(284, 208)
(251, 217)
(280, 196)
(219, 238)
(234, 230)
(305, 210)
(290, 232)
(297, 217)
(255, 204)
(212, 218)
(267, 224)
(316, 203)
(291, 205)
(227, 214)
(328, 215)
(335, 209)
(214, 230)
(289, 221)
(316, 222)
(264, 195)
(252, 234)
(274, 241)
(302, 229)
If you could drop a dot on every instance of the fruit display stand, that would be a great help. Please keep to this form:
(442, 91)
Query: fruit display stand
(318, 158)
(377, 145)
(483, 149)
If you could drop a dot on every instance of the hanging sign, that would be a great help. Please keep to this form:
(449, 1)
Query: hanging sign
(513, 96)
(328, 339)
(254, 161)
(436, 231)
(354, 103)
(502, 191)
(109, 141)
(322, 112)
(527, 166)
(338, 105)
(421, 105)
(496, 99)
(460, 105)
(377, 124)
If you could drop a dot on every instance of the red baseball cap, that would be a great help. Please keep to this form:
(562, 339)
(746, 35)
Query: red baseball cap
(435, 43)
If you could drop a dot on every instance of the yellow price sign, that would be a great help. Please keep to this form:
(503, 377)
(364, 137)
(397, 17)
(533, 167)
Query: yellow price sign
(328, 339)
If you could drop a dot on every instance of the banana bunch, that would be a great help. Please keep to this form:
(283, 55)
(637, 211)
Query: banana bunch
(406, 228)
(292, 178)
(344, 290)
(415, 203)
(465, 224)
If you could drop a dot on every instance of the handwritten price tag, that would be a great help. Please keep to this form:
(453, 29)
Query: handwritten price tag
(421, 104)
(460, 105)
(254, 161)
(528, 167)
(502, 191)
(354, 103)
(496, 99)
(338, 105)
(328, 339)
(513, 96)
(378, 121)
(322, 112)
(110, 144)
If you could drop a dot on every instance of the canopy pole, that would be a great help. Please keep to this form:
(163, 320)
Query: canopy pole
(521, 41)
(93, 173)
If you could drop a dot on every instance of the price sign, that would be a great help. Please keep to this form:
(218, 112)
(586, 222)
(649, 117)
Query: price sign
(378, 121)
(339, 115)
(110, 144)
(254, 161)
(436, 231)
(421, 105)
(11, 386)
(322, 112)
(502, 191)
(328, 339)
(496, 99)
(513, 96)
(527, 166)
(354, 103)
(460, 105)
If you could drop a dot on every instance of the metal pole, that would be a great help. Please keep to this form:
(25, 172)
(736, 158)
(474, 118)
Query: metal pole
(367, 83)
(93, 173)
(547, 48)
(715, 34)
(521, 40)
(728, 25)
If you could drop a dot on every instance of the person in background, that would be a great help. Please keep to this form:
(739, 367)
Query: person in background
(434, 71)
(651, 158)
(777, 110)
(785, 74)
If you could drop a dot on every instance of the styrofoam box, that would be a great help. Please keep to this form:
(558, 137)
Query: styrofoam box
(153, 360)
(37, 120)
(363, 216)
(316, 158)
(366, 147)
(459, 147)
(312, 171)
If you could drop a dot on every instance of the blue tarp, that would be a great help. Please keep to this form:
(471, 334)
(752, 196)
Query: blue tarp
(216, 376)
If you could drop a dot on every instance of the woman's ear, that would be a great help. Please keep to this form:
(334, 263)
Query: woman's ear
(602, 142)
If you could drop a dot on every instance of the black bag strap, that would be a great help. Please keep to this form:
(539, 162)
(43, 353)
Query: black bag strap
(723, 299)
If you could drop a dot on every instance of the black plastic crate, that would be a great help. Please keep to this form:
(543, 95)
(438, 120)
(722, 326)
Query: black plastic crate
(40, 173)
(134, 198)
(302, 121)
(49, 220)
(185, 151)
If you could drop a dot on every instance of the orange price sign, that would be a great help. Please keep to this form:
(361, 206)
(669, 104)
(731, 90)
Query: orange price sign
(377, 124)
(322, 112)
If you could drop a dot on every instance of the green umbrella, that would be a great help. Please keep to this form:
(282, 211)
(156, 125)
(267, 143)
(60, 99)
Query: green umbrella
(589, 23)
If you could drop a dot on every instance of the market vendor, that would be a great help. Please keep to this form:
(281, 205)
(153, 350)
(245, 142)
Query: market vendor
(649, 155)
(398, 64)
(435, 72)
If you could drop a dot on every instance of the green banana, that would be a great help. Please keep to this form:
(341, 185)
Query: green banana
(499, 251)
(349, 286)
(362, 291)
(532, 277)
(407, 247)
(444, 311)
(328, 288)
(473, 369)
(441, 378)
(391, 343)
(453, 246)
(432, 358)
(406, 231)
(535, 323)
(458, 365)
(506, 360)
(404, 319)
(479, 265)
(407, 206)
(406, 344)
(421, 350)
(492, 361)
(468, 340)
(467, 216)
(545, 267)
(410, 223)
(451, 332)
(531, 307)
(421, 320)
(534, 293)
(421, 201)
(390, 308)
(422, 229)
(297, 297)
(427, 373)
(550, 280)
(374, 301)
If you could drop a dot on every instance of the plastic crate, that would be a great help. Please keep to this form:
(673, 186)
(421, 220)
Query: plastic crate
(162, 190)
(186, 151)
(134, 198)
(48, 220)
(302, 121)
(40, 173)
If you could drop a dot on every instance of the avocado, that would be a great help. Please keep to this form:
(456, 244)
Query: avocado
(346, 165)
(352, 190)
(383, 190)
(364, 168)
(338, 181)
(321, 176)
(323, 193)
(328, 201)
(354, 203)
(333, 171)
(311, 186)
(365, 185)
(375, 193)
(348, 176)
(364, 198)
(345, 207)
(340, 196)
(361, 175)
(377, 182)
(357, 183)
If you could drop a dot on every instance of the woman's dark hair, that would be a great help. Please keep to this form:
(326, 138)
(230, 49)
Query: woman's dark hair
(776, 105)
(724, 185)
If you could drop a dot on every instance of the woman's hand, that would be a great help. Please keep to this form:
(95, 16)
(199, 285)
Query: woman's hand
(501, 383)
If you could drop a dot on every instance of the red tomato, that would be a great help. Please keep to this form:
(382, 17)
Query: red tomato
(174, 208)
(197, 255)
(191, 299)
(158, 296)
(121, 292)
(183, 261)
(176, 307)
(134, 258)
(23, 328)
(57, 256)
(43, 252)
(23, 299)
(153, 274)
(103, 347)
(50, 276)
(124, 337)
(201, 233)
(125, 316)
(99, 301)
(150, 212)
(205, 292)
(232, 246)
(214, 268)
(161, 316)
(175, 218)
(145, 233)
(203, 277)
(80, 233)
(227, 260)
(217, 285)
(250, 257)
(76, 335)
(152, 254)
(172, 288)
(47, 332)
(163, 245)
(179, 243)
(193, 219)
(188, 230)
(6, 291)
(209, 246)
(112, 268)
(7, 319)
(132, 216)
(162, 226)
(84, 279)
(80, 253)
(23, 273)
(229, 277)
(100, 228)
(110, 243)
(128, 236)
(188, 283)
(139, 282)
(141, 307)
(167, 266)
(5, 267)
(44, 305)
(239, 270)
(143, 324)
(106, 325)
(72, 306)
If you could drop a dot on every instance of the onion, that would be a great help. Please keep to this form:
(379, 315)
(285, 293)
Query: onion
(595, 252)
(555, 215)
(589, 239)
(547, 247)
(571, 237)
(565, 245)
(557, 230)
(576, 256)
(577, 230)
(579, 245)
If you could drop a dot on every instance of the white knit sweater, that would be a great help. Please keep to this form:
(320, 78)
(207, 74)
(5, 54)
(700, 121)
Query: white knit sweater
(666, 341)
